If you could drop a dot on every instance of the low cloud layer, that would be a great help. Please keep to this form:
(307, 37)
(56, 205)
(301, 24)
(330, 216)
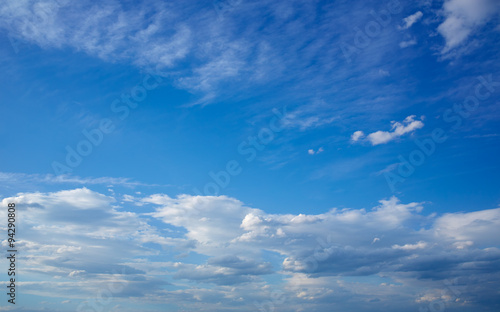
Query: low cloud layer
(202, 246)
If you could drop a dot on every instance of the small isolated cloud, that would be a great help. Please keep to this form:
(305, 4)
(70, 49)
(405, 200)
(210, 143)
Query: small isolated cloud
(76, 273)
(398, 129)
(419, 245)
(383, 73)
(462, 17)
(312, 152)
(357, 135)
(410, 20)
(409, 43)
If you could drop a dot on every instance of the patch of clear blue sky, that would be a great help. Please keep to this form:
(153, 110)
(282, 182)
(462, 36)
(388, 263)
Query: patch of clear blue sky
(50, 95)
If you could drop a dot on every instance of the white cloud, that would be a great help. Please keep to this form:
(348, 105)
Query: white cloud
(152, 35)
(312, 152)
(76, 241)
(107, 31)
(194, 50)
(412, 19)
(408, 125)
(212, 221)
(419, 245)
(340, 234)
(479, 227)
(409, 43)
(383, 73)
(16, 178)
(65, 232)
(148, 35)
(304, 119)
(357, 135)
(462, 17)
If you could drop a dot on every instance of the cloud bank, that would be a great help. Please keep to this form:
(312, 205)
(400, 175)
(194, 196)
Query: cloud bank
(202, 246)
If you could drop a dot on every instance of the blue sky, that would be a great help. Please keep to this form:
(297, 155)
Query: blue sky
(252, 155)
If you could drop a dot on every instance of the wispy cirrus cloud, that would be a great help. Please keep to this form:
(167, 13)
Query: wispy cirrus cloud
(148, 35)
(108, 31)
(199, 51)
(412, 19)
(408, 43)
(15, 178)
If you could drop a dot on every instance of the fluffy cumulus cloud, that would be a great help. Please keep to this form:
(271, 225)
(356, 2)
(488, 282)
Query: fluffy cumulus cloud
(462, 17)
(357, 135)
(74, 242)
(398, 129)
(204, 251)
(313, 152)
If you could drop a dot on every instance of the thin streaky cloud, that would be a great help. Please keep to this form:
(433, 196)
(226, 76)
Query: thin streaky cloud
(412, 19)
(409, 43)
(9, 177)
